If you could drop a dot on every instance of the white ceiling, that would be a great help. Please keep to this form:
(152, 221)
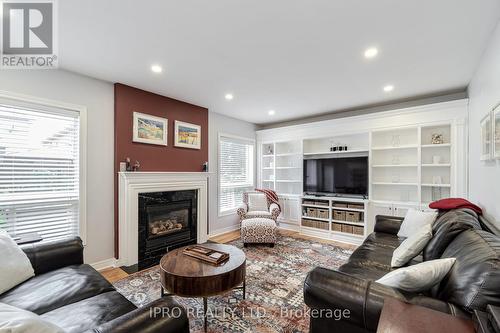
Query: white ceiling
(298, 57)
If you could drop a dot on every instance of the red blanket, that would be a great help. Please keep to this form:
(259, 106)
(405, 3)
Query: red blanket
(270, 195)
(454, 203)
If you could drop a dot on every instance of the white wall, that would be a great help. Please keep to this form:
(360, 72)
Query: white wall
(98, 97)
(218, 123)
(484, 95)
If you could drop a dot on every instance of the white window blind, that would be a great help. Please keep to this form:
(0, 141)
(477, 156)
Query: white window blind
(236, 162)
(39, 171)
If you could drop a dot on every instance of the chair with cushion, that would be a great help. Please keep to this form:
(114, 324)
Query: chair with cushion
(257, 205)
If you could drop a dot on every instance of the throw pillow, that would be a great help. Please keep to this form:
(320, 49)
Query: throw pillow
(14, 263)
(15, 320)
(454, 203)
(420, 277)
(414, 220)
(257, 201)
(411, 246)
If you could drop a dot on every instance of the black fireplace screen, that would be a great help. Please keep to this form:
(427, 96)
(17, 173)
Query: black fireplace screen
(167, 220)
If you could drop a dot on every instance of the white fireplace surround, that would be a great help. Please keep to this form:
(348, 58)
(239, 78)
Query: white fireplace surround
(132, 183)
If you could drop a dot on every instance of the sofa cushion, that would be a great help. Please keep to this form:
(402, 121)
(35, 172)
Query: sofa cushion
(90, 312)
(257, 201)
(411, 247)
(446, 227)
(414, 220)
(15, 265)
(57, 288)
(372, 259)
(15, 320)
(474, 280)
(259, 213)
(418, 278)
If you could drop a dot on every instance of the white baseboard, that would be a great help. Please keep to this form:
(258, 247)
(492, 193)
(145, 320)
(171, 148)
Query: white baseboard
(225, 230)
(103, 264)
(289, 226)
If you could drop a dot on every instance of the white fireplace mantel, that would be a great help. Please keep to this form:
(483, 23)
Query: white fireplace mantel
(132, 183)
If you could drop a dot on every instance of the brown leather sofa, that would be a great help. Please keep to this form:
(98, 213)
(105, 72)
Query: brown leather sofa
(472, 283)
(77, 298)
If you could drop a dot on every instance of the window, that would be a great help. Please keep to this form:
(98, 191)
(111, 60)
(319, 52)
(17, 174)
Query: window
(39, 170)
(236, 176)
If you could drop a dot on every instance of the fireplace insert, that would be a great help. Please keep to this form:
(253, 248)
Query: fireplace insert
(167, 220)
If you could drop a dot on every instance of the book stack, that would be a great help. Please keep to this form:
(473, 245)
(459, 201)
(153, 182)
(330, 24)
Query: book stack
(206, 254)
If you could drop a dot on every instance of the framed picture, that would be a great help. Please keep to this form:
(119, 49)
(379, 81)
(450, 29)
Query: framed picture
(150, 129)
(496, 132)
(187, 135)
(486, 136)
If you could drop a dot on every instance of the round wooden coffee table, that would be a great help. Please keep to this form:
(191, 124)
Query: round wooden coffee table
(186, 276)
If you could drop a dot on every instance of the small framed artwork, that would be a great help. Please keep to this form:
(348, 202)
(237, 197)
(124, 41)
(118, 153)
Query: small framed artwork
(187, 135)
(486, 144)
(496, 132)
(150, 129)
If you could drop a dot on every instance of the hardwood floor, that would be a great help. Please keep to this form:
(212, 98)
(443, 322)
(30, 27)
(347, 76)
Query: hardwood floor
(115, 274)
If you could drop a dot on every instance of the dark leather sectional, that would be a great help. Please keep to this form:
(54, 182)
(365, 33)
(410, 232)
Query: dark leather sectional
(473, 282)
(78, 299)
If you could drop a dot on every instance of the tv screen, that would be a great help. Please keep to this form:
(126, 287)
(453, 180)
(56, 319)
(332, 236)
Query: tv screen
(347, 175)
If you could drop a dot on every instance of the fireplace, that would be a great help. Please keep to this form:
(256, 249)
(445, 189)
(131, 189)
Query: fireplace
(167, 220)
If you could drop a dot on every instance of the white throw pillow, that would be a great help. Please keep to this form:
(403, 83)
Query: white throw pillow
(15, 320)
(411, 246)
(15, 267)
(257, 201)
(414, 220)
(420, 277)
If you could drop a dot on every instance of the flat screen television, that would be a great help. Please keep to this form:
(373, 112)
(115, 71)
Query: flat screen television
(340, 176)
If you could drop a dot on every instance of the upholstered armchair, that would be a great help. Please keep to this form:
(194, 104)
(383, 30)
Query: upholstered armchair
(256, 204)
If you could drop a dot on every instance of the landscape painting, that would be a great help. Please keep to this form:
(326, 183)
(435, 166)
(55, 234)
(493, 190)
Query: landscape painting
(187, 135)
(486, 138)
(150, 129)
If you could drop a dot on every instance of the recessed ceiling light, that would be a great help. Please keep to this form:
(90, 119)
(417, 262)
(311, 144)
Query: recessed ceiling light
(229, 97)
(271, 112)
(156, 68)
(371, 52)
(389, 88)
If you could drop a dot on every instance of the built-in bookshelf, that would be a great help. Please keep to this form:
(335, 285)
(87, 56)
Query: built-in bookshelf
(411, 164)
(281, 167)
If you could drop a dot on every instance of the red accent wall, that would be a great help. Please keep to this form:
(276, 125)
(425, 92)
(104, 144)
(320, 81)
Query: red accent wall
(153, 157)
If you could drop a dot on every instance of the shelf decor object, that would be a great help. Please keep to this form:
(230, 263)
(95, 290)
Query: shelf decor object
(496, 132)
(486, 137)
(437, 139)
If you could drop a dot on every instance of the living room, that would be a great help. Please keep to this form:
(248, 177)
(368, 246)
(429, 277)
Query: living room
(250, 167)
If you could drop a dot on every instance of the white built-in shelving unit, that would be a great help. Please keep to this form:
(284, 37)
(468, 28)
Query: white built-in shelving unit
(406, 168)
(281, 170)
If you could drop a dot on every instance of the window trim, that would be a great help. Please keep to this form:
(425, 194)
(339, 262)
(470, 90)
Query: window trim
(16, 99)
(232, 136)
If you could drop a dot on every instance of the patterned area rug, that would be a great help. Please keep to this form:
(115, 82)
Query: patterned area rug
(274, 300)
